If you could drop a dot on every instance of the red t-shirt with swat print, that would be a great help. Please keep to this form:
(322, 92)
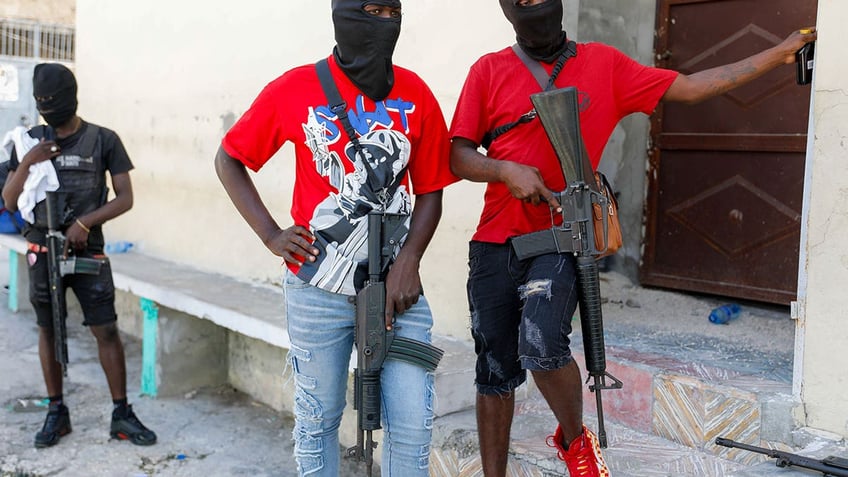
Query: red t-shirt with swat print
(405, 151)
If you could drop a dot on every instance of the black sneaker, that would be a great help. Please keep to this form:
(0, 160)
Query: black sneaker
(128, 427)
(56, 425)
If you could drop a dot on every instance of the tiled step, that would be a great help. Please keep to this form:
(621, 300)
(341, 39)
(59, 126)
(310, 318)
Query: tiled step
(675, 401)
(693, 404)
(629, 454)
(686, 382)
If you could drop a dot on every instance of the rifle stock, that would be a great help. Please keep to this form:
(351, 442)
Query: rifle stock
(374, 343)
(559, 113)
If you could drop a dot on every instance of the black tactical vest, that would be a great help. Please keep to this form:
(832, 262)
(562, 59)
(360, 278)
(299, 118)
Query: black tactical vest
(81, 174)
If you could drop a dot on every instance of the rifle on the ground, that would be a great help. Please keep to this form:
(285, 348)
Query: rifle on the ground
(829, 466)
(373, 342)
(59, 265)
(559, 113)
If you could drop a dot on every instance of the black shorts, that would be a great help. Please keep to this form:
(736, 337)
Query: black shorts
(521, 312)
(95, 293)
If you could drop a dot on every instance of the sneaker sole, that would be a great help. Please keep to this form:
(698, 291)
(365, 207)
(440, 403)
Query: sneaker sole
(59, 436)
(124, 437)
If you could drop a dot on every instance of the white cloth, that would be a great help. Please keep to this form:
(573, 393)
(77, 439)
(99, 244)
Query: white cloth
(42, 176)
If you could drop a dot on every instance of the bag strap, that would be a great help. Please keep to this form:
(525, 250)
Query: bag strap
(545, 81)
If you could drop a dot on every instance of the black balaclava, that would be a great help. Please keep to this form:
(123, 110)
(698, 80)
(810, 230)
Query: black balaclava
(538, 28)
(56, 83)
(364, 45)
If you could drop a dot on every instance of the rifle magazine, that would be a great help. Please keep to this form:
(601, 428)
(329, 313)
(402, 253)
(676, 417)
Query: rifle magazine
(415, 352)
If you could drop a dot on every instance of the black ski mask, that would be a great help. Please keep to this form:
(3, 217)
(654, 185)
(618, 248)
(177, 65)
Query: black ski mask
(55, 90)
(538, 28)
(364, 45)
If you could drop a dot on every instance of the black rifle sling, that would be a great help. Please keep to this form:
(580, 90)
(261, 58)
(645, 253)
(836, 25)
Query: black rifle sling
(339, 108)
(545, 82)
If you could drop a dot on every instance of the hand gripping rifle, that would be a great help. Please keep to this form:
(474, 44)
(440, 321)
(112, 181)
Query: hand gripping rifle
(829, 466)
(373, 343)
(59, 266)
(559, 113)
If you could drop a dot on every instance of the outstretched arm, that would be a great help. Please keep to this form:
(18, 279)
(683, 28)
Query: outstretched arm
(292, 243)
(705, 84)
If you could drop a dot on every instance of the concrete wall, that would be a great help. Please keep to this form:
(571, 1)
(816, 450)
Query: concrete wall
(17, 107)
(172, 84)
(47, 11)
(820, 373)
(629, 26)
(172, 77)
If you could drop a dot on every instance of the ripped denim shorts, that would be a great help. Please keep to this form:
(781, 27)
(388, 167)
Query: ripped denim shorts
(521, 312)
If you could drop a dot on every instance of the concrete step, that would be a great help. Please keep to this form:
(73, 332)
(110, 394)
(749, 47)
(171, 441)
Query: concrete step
(686, 382)
(630, 453)
(692, 403)
(664, 420)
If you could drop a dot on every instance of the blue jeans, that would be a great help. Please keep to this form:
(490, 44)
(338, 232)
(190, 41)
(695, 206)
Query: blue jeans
(321, 329)
(521, 313)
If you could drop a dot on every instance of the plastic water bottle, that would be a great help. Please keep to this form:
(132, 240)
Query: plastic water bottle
(118, 247)
(724, 313)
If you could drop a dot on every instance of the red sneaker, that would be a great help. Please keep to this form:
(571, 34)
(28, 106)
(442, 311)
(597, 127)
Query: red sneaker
(583, 456)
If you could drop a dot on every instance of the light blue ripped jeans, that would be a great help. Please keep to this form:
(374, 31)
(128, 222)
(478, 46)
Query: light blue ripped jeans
(320, 325)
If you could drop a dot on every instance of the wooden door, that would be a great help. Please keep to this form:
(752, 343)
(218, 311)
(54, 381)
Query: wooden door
(725, 179)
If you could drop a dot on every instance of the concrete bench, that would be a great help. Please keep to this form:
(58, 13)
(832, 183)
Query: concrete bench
(240, 338)
(160, 301)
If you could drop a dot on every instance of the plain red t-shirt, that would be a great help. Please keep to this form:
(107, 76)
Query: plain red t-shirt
(497, 91)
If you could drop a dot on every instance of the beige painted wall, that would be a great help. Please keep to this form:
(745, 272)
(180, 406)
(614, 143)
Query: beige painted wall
(171, 84)
(47, 11)
(822, 369)
(171, 77)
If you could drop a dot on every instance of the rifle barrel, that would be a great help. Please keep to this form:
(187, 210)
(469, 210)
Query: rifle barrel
(592, 324)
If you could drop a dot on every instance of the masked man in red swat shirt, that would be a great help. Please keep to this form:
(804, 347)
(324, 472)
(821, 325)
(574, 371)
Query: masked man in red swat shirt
(396, 145)
(521, 310)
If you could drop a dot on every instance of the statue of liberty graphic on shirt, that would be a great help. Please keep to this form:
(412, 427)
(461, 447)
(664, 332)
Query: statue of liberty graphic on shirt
(339, 222)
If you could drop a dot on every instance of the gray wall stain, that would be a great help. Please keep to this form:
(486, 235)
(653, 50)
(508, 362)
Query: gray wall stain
(227, 120)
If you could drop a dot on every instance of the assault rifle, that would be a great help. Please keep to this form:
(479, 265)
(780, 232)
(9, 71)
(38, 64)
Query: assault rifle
(559, 113)
(59, 265)
(829, 466)
(373, 342)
